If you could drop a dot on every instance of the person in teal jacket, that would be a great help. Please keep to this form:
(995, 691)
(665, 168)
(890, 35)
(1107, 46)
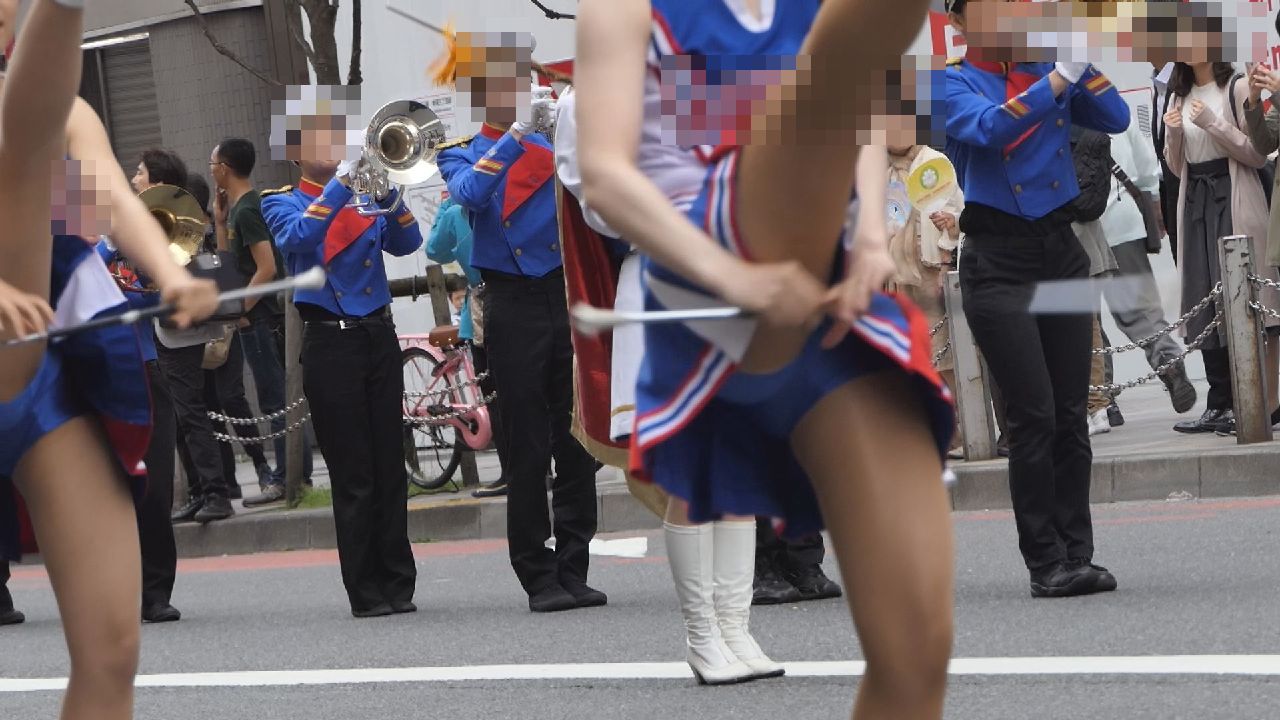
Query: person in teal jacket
(450, 241)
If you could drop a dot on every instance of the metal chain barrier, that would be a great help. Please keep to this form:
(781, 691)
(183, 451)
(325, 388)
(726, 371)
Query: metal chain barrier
(421, 420)
(937, 358)
(440, 395)
(1168, 364)
(218, 417)
(1177, 325)
(938, 328)
(261, 438)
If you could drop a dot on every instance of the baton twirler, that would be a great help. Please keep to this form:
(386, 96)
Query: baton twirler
(593, 320)
(312, 279)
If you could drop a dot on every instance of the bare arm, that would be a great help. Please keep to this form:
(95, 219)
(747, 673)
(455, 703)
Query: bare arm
(609, 75)
(873, 167)
(43, 79)
(133, 229)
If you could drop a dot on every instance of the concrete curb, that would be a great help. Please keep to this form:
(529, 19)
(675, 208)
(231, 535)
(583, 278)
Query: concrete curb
(1241, 471)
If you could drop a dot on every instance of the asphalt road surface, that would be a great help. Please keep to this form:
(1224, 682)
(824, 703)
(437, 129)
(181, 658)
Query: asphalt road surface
(1193, 632)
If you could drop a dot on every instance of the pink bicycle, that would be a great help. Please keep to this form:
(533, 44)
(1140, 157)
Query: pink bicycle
(444, 407)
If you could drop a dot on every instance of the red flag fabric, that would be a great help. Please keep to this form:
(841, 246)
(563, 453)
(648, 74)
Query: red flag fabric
(591, 276)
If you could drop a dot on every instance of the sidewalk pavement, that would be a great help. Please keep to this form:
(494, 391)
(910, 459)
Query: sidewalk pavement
(1141, 460)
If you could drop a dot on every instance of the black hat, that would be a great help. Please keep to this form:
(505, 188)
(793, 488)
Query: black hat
(955, 5)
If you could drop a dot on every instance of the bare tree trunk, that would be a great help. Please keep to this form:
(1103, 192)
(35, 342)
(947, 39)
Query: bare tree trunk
(323, 17)
(354, 77)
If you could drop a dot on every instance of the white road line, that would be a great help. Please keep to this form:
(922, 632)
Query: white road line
(1237, 665)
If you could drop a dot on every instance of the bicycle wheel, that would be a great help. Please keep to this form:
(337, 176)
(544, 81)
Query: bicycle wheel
(432, 450)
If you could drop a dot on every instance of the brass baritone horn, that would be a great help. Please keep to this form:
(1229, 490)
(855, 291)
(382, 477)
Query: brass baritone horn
(400, 149)
(181, 218)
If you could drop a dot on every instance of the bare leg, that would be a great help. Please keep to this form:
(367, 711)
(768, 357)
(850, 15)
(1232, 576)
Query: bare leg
(876, 470)
(84, 522)
(793, 200)
(39, 90)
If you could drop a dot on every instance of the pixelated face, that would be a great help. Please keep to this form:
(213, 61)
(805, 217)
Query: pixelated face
(910, 112)
(1155, 32)
(494, 71)
(80, 205)
(141, 179)
(323, 139)
(317, 127)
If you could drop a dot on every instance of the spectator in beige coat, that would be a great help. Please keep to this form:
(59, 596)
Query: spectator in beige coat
(1220, 195)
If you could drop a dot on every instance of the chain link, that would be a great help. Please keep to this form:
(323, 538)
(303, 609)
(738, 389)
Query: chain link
(1263, 282)
(444, 418)
(261, 438)
(218, 417)
(1168, 365)
(938, 328)
(937, 358)
(440, 395)
(1177, 325)
(1264, 310)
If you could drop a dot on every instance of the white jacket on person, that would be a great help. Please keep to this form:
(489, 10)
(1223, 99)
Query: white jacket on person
(1133, 152)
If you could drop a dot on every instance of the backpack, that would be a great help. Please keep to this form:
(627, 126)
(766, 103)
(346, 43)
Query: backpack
(1266, 173)
(1091, 155)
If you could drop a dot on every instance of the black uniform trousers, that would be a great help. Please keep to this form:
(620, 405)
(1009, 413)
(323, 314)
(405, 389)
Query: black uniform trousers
(787, 555)
(354, 383)
(6, 599)
(480, 359)
(1041, 363)
(155, 531)
(229, 391)
(531, 357)
(186, 379)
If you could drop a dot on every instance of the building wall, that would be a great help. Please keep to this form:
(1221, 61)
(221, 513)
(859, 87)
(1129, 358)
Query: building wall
(204, 97)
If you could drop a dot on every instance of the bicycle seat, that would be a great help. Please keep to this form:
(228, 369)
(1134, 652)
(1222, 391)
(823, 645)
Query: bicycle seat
(444, 337)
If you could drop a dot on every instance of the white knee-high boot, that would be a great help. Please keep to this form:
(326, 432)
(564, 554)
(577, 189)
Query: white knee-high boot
(735, 554)
(689, 550)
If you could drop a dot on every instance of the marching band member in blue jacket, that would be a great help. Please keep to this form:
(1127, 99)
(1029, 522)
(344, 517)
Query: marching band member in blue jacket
(505, 176)
(1008, 128)
(353, 378)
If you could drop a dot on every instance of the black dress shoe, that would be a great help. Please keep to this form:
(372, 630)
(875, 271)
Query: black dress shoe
(1209, 422)
(585, 595)
(160, 613)
(12, 617)
(769, 588)
(403, 606)
(1103, 580)
(1114, 417)
(188, 511)
(271, 494)
(497, 488)
(552, 599)
(1061, 580)
(813, 584)
(1181, 392)
(382, 610)
(215, 508)
(233, 491)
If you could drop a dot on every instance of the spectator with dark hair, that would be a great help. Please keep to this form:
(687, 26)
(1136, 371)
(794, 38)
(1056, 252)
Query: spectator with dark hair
(159, 167)
(237, 215)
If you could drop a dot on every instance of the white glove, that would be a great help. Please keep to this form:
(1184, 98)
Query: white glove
(544, 112)
(1071, 71)
(347, 168)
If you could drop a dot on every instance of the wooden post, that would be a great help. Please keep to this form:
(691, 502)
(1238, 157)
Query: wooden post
(440, 309)
(293, 392)
(973, 398)
(1244, 340)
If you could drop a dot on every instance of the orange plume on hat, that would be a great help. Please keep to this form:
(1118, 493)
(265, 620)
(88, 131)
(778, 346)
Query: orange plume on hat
(444, 71)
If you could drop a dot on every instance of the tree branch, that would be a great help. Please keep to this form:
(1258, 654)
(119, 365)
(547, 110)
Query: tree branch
(294, 20)
(354, 76)
(222, 49)
(552, 14)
